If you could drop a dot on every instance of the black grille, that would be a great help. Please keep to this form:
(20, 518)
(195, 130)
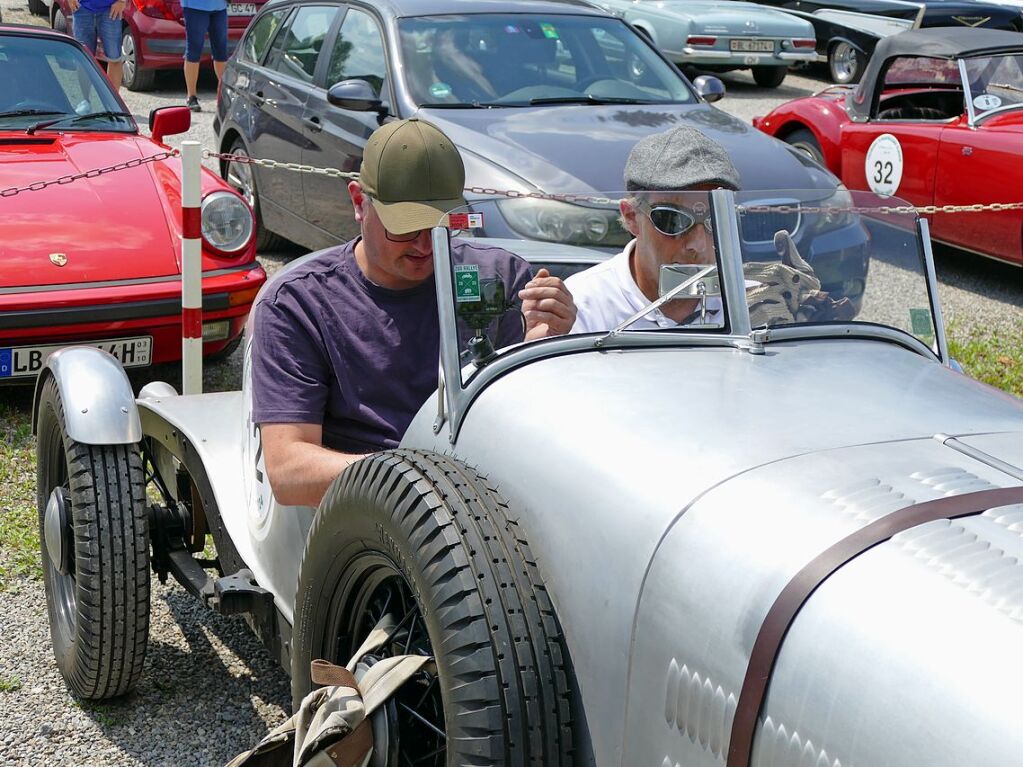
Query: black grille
(761, 227)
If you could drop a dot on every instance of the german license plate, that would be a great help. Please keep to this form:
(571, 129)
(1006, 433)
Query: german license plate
(241, 9)
(754, 46)
(19, 361)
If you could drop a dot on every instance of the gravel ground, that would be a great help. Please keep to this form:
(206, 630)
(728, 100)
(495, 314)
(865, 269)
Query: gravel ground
(209, 690)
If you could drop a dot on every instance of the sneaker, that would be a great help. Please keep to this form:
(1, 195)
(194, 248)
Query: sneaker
(193, 104)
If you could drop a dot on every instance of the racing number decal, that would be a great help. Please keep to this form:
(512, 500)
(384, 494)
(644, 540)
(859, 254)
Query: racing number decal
(883, 165)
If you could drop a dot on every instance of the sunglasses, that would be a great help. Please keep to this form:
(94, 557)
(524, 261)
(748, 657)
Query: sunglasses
(674, 222)
(407, 237)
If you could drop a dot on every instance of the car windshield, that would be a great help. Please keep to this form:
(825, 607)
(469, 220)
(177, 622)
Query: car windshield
(513, 60)
(820, 258)
(46, 79)
(995, 82)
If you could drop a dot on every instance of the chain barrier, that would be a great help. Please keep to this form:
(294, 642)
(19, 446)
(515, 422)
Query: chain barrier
(510, 193)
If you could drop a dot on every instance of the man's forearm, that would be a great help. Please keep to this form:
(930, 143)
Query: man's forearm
(305, 472)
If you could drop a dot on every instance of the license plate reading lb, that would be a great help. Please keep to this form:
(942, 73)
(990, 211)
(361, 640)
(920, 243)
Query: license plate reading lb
(756, 46)
(241, 9)
(20, 361)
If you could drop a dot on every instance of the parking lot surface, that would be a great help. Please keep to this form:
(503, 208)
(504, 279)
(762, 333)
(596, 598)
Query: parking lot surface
(209, 689)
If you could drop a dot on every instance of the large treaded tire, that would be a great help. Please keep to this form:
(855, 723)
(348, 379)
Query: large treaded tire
(503, 670)
(99, 608)
(769, 76)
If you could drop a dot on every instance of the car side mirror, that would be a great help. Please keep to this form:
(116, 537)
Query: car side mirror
(358, 96)
(710, 88)
(703, 281)
(169, 121)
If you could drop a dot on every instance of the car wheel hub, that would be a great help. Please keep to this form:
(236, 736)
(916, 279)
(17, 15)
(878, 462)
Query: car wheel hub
(128, 56)
(384, 722)
(57, 530)
(845, 61)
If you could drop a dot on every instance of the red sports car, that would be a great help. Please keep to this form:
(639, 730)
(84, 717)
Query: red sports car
(97, 260)
(937, 120)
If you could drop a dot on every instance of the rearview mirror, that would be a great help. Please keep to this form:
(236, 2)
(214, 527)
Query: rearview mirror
(710, 88)
(673, 276)
(169, 121)
(358, 96)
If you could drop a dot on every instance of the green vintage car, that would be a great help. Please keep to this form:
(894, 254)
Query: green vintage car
(721, 35)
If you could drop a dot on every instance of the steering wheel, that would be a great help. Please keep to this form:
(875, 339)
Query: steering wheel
(585, 83)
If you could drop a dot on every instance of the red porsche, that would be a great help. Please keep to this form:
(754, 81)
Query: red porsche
(937, 119)
(97, 260)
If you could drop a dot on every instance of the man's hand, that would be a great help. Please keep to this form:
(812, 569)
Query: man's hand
(115, 12)
(72, 5)
(547, 306)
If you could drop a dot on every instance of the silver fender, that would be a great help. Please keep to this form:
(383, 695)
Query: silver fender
(99, 406)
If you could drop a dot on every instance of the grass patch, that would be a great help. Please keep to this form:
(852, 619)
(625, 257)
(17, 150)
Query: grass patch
(995, 359)
(105, 714)
(9, 683)
(19, 524)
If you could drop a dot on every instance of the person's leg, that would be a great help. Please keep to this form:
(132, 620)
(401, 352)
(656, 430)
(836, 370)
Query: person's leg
(195, 30)
(218, 41)
(110, 33)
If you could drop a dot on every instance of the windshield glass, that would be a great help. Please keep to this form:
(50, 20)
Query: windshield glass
(46, 79)
(776, 259)
(514, 60)
(996, 82)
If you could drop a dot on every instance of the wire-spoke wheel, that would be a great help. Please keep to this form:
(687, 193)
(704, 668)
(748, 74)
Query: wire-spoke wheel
(423, 547)
(94, 540)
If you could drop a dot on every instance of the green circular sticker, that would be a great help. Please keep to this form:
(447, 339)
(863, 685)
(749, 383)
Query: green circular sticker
(440, 90)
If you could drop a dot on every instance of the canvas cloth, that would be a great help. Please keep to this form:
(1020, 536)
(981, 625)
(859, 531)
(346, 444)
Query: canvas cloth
(332, 725)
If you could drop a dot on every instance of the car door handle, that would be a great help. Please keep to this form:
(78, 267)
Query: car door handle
(258, 98)
(313, 124)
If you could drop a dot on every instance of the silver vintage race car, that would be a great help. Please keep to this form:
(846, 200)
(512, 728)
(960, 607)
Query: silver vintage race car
(785, 532)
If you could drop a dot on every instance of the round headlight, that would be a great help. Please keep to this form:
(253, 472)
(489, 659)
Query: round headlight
(226, 222)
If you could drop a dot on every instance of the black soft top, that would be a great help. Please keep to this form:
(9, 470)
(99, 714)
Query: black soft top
(930, 42)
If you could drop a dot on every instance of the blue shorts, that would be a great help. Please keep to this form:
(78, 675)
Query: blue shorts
(90, 26)
(197, 24)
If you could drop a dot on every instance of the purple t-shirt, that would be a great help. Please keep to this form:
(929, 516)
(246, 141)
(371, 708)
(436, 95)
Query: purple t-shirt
(331, 347)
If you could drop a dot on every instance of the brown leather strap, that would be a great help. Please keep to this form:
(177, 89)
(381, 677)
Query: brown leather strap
(794, 595)
(352, 749)
(327, 674)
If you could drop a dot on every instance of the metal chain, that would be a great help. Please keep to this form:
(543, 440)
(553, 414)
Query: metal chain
(297, 167)
(135, 163)
(511, 193)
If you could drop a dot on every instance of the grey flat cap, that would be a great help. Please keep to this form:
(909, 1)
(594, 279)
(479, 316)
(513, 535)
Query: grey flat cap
(680, 158)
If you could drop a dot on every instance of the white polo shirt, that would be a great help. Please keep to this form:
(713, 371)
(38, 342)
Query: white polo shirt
(606, 295)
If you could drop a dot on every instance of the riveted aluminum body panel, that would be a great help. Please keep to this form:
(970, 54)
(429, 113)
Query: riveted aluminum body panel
(598, 452)
(883, 665)
(99, 405)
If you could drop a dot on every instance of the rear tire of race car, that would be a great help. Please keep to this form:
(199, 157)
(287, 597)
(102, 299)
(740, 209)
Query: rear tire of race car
(242, 179)
(804, 140)
(133, 77)
(845, 63)
(423, 544)
(769, 77)
(96, 560)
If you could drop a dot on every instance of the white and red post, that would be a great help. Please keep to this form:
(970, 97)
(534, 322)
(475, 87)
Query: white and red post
(191, 268)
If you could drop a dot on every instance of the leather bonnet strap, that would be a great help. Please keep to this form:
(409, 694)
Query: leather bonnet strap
(794, 595)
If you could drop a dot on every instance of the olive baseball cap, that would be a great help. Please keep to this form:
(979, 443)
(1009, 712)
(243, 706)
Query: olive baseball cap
(413, 174)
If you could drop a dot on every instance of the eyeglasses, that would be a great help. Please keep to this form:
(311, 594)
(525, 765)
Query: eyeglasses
(674, 222)
(407, 237)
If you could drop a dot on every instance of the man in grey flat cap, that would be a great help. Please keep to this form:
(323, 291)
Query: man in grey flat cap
(670, 222)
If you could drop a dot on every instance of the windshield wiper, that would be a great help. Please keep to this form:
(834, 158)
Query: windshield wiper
(587, 100)
(25, 112)
(467, 105)
(72, 118)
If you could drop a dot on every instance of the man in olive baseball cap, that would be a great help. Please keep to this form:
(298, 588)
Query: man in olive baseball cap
(413, 174)
(345, 344)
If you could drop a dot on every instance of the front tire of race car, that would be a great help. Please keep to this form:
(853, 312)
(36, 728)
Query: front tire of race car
(804, 140)
(94, 538)
(424, 547)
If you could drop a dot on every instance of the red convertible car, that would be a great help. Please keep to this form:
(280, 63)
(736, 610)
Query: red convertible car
(938, 120)
(97, 260)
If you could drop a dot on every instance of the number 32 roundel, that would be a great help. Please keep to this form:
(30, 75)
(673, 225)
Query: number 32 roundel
(884, 164)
